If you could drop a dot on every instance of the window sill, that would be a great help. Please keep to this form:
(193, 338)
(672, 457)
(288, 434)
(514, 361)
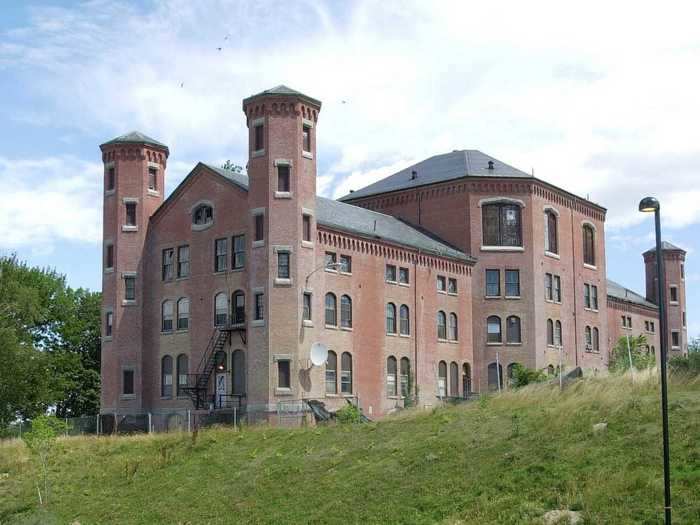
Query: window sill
(307, 244)
(108, 193)
(405, 336)
(202, 227)
(453, 341)
(127, 228)
(494, 344)
(590, 266)
(405, 285)
(109, 270)
(512, 297)
(283, 282)
(492, 297)
(257, 322)
(514, 344)
(389, 282)
(390, 335)
(167, 332)
(454, 294)
(182, 330)
(502, 249)
(673, 303)
(552, 255)
(129, 302)
(127, 396)
(675, 348)
(183, 278)
(440, 340)
(153, 193)
(346, 328)
(166, 398)
(330, 327)
(442, 292)
(346, 273)
(107, 339)
(283, 195)
(307, 155)
(258, 153)
(283, 391)
(307, 323)
(259, 244)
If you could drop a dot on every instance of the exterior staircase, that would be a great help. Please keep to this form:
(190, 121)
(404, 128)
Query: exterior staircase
(198, 384)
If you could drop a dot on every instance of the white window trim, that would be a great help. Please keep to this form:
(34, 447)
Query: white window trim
(552, 254)
(494, 200)
(590, 266)
(307, 123)
(549, 207)
(502, 248)
(307, 155)
(282, 162)
(283, 195)
(589, 223)
(152, 164)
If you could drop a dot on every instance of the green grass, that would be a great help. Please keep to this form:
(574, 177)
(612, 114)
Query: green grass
(505, 459)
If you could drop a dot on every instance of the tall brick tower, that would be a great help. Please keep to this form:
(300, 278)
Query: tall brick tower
(282, 202)
(674, 267)
(134, 179)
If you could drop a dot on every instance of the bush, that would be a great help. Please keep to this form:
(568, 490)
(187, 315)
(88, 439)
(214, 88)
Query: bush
(524, 376)
(689, 364)
(348, 414)
(620, 357)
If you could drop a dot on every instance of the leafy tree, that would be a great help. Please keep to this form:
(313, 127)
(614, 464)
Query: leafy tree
(236, 168)
(524, 376)
(620, 357)
(41, 440)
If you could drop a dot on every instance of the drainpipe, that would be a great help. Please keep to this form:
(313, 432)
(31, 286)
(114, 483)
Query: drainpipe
(415, 323)
(573, 267)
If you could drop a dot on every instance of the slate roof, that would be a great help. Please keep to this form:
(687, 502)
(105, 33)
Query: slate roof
(665, 245)
(282, 90)
(618, 291)
(441, 168)
(135, 137)
(366, 223)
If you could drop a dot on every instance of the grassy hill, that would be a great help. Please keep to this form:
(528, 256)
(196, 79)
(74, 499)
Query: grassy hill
(505, 459)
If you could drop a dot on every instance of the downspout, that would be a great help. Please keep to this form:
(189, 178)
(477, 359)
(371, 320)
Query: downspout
(573, 267)
(415, 329)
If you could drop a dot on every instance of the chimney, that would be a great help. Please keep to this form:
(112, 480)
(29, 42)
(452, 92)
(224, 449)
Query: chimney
(414, 174)
(491, 165)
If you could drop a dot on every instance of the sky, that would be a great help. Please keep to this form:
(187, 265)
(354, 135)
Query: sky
(599, 98)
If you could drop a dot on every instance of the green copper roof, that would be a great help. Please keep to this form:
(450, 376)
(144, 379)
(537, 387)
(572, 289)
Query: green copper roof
(136, 137)
(282, 90)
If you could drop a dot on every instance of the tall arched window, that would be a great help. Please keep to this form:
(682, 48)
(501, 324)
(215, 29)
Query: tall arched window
(220, 309)
(454, 379)
(238, 302)
(404, 320)
(513, 329)
(495, 376)
(596, 340)
(405, 377)
(493, 329)
(167, 316)
(166, 376)
(390, 318)
(550, 232)
(501, 223)
(391, 376)
(441, 325)
(453, 333)
(346, 373)
(588, 244)
(346, 311)
(550, 332)
(183, 313)
(466, 380)
(557, 333)
(331, 310)
(442, 379)
(183, 364)
(238, 372)
(332, 373)
(589, 338)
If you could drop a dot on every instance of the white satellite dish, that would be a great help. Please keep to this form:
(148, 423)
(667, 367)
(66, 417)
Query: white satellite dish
(319, 354)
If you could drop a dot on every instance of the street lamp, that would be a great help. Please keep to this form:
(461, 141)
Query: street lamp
(648, 205)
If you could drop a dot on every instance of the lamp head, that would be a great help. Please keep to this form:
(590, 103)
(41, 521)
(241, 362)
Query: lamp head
(649, 204)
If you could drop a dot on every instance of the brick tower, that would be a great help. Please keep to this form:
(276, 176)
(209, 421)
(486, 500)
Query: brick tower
(282, 202)
(134, 178)
(674, 268)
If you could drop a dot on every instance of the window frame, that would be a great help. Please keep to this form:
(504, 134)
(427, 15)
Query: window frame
(404, 320)
(331, 374)
(502, 207)
(391, 377)
(238, 255)
(589, 248)
(517, 326)
(497, 273)
(452, 327)
(390, 273)
(220, 255)
(511, 272)
(331, 310)
(390, 319)
(404, 276)
(183, 264)
(179, 324)
(284, 265)
(551, 229)
(441, 325)
(494, 338)
(284, 178)
(345, 262)
(346, 378)
(345, 311)
(166, 378)
(168, 264)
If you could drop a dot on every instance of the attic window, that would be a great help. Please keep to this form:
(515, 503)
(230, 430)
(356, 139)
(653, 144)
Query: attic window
(203, 214)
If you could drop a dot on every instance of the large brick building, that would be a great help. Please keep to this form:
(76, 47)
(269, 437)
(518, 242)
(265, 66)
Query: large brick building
(431, 283)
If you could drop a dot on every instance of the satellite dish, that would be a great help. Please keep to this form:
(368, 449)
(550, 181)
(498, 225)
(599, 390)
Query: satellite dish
(319, 354)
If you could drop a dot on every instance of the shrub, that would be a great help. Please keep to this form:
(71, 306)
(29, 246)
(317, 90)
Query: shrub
(348, 414)
(41, 440)
(689, 364)
(620, 357)
(524, 376)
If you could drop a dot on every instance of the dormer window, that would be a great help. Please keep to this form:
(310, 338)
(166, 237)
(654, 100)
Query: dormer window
(203, 214)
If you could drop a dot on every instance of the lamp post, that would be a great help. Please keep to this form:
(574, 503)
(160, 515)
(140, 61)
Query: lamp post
(648, 205)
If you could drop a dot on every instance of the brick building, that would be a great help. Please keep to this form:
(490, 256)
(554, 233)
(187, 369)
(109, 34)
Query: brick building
(429, 284)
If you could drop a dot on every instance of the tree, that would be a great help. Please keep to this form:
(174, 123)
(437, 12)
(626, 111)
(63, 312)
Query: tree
(41, 440)
(638, 348)
(236, 168)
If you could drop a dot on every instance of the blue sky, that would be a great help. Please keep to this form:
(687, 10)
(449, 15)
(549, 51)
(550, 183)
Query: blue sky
(599, 99)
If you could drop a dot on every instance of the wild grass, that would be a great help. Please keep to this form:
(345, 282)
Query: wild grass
(505, 459)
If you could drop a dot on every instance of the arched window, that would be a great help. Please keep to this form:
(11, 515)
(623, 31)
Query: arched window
(495, 376)
(589, 338)
(332, 373)
(220, 309)
(238, 372)
(238, 302)
(390, 318)
(550, 232)
(550, 370)
(454, 379)
(511, 371)
(466, 380)
(501, 223)
(391, 376)
(331, 310)
(493, 329)
(183, 364)
(404, 321)
(166, 376)
(513, 329)
(550, 332)
(441, 325)
(588, 244)
(220, 361)
(346, 311)
(405, 377)
(202, 214)
(167, 316)
(346, 373)
(453, 333)
(442, 379)
(183, 313)
(596, 340)
(557, 333)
